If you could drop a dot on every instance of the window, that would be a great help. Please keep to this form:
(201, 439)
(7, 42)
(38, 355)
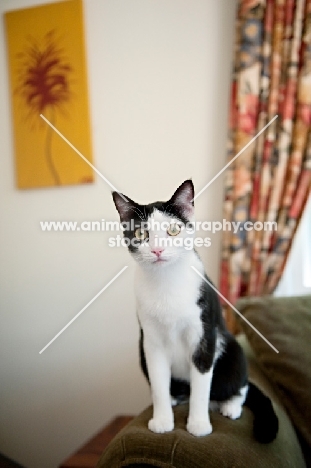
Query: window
(296, 279)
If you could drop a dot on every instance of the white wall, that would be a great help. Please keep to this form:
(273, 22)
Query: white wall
(159, 74)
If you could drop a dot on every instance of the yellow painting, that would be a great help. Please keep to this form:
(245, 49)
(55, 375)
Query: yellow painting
(47, 72)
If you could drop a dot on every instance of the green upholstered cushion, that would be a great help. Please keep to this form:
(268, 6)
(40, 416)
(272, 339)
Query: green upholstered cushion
(286, 323)
(230, 445)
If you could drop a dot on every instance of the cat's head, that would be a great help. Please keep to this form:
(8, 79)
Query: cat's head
(159, 233)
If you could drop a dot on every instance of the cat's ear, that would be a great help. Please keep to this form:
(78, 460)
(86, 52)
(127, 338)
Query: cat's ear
(124, 205)
(183, 198)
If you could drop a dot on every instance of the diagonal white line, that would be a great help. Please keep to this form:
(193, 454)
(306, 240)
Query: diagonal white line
(81, 155)
(236, 156)
(84, 308)
(235, 310)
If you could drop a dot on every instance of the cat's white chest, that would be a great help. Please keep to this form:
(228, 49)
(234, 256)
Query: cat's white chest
(169, 295)
(177, 341)
(170, 317)
(179, 353)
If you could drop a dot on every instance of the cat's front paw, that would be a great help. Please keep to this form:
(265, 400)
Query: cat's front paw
(200, 427)
(161, 425)
(231, 409)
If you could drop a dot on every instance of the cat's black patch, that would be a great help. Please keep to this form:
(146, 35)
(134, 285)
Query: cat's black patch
(230, 371)
(173, 211)
(180, 390)
(212, 321)
(142, 357)
(204, 354)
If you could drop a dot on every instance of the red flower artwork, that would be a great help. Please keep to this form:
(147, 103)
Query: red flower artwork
(44, 84)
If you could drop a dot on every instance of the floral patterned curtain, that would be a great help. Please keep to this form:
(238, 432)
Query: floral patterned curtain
(270, 180)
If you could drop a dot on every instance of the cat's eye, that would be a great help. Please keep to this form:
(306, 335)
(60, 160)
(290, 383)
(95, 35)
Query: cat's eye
(174, 229)
(141, 234)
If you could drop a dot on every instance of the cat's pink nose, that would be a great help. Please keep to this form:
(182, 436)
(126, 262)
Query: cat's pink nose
(157, 252)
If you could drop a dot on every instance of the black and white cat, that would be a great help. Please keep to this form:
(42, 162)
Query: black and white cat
(186, 352)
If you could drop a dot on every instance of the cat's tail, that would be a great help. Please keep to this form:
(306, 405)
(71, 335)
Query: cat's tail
(266, 424)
